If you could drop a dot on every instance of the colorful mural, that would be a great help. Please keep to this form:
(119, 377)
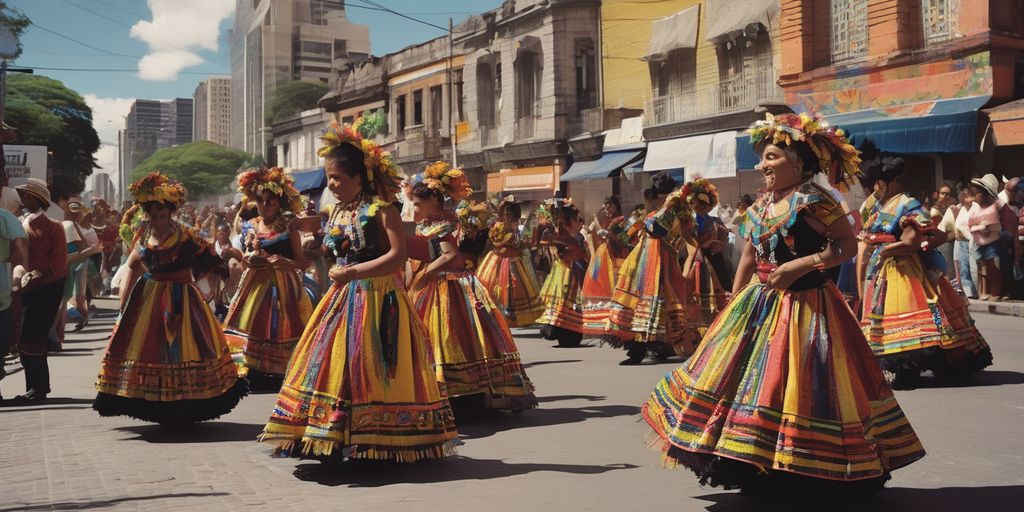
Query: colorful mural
(908, 91)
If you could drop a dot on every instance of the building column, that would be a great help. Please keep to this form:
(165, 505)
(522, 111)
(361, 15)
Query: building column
(804, 36)
(893, 26)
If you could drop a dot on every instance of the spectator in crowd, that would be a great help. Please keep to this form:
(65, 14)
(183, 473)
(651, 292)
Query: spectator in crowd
(984, 221)
(945, 197)
(9, 199)
(955, 224)
(13, 251)
(42, 282)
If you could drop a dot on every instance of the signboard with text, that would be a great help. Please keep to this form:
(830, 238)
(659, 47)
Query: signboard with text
(23, 162)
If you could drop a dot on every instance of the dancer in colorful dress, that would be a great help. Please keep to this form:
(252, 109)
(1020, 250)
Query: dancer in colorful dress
(913, 319)
(706, 270)
(613, 245)
(475, 219)
(472, 343)
(783, 394)
(651, 305)
(361, 383)
(271, 307)
(507, 271)
(167, 361)
(563, 314)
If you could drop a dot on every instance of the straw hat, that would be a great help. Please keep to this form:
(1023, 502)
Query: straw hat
(989, 183)
(37, 188)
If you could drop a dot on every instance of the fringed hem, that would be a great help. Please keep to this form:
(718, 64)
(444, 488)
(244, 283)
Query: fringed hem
(952, 363)
(329, 451)
(166, 382)
(171, 412)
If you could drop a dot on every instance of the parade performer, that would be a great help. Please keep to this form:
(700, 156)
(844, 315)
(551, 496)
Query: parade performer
(783, 394)
(361, 383)
(507, 271)
(472, 343)
(613, 245)
(271, 307)
(651, 306)
(563, 314)
(913, 319)
(705, 272)
(475, 219)
(167, 361)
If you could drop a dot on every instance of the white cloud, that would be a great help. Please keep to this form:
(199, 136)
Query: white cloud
(179, 29)
(108, 117)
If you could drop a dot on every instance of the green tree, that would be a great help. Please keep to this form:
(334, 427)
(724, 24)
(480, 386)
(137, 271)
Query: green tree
(14, 22)
(205, 168)
(294, 97)
(46, 113)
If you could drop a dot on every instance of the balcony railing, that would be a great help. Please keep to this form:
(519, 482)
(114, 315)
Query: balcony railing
(526, 127)
(740, 93)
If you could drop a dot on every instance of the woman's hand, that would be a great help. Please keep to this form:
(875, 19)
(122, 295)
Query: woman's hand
(341, 275)
(785, 275)
(256, 260)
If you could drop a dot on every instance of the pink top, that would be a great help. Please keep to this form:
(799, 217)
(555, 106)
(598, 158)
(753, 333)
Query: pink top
(981, 218)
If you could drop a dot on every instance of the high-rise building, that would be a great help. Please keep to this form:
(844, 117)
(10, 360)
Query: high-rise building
(102, 187)
(152, 125)
(274, 42)
(212, 116)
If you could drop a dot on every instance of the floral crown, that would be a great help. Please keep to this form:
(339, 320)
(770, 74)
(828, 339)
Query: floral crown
(381, 171)
(836, 155)
(560, 206)
(701, 189)
(155, 187)
(451, 183)
(275, 180)
(473, 216)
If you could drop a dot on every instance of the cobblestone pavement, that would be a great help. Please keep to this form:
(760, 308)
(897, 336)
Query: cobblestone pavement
(583, 449)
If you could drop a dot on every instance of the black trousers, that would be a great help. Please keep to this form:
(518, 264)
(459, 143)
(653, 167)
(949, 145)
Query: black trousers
(39, 308)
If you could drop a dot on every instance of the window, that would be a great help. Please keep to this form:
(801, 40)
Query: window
(940, 19)
(460, 104)
(417, 107)
(347, 120)
(315, 48)
(400, 114)
(485, 94)
(436, 108)
(527, 84)
(849, 29)
(586, 75)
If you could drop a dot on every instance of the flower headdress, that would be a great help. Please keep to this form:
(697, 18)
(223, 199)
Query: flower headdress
(451, 183)
(558, 207)
(275, 180)
(155, 187)
(701, 189)
(381, 171)
(836, 155)
(473, 216)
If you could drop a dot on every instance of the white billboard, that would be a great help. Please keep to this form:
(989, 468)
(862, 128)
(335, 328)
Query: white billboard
(23, 162)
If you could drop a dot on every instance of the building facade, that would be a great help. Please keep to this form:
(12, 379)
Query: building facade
(151, 125)
(278, 41)
(212, 116)
(913, 76)
(102, 187)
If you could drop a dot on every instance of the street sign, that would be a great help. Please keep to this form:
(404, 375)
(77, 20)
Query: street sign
(23, 162)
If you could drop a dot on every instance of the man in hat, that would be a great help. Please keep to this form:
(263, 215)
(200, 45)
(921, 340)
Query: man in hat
(42, 284)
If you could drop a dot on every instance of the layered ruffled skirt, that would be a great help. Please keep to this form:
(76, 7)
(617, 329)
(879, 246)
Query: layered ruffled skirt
(362, 382)
(472, 343)
(651, 302)
(561, 296)
(915, 321)
(167, 361)
(512, 284)
(782, 382)
(598, 287)
(266, 318)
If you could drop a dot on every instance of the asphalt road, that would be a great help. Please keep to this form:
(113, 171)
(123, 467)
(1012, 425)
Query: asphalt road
(584, 449)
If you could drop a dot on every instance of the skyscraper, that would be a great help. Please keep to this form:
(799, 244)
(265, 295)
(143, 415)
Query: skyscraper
(278, 41)
(212, 119)
(152, 125)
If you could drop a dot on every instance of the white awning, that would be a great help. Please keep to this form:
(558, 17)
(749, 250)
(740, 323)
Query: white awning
(630, 132)
(724, 17)
(710, 155)
(673, 33)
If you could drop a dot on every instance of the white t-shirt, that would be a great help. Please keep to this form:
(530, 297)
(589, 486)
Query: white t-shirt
(70, 233)
(89, 236)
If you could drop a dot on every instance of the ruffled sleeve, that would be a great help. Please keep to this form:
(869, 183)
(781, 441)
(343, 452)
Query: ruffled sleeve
(659, 224)
(913, 214)
(817, 203)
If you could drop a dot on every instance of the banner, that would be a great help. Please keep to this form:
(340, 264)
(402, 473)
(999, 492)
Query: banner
(23, 162)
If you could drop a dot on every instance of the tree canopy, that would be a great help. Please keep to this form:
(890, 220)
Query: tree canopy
(46, 113)
(204, 168)
(294, 97)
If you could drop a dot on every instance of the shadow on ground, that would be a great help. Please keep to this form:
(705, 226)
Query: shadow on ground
(486, 424)
(542, 363)
(378, 474)
(213, 432)
(895, 499)
(981, 379)
(90, 504)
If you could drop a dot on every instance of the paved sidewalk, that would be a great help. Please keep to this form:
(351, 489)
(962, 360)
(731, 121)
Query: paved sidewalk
(584, 449)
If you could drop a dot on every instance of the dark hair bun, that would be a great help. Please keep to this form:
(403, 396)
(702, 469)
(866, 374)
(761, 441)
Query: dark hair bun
(892, 167)
(662, 183)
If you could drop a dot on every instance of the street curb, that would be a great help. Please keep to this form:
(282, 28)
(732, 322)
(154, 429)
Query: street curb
(997, 308)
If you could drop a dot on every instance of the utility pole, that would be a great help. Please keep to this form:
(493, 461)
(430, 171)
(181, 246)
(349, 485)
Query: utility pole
(451, 119)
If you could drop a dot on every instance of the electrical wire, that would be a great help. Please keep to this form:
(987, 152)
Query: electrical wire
(87, 45)
(112, 70)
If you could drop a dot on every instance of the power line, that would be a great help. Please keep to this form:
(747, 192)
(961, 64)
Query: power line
(403, 15)
(87, 45)
(111, 70)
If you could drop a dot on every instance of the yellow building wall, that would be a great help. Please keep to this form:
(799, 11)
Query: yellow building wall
(625, 35)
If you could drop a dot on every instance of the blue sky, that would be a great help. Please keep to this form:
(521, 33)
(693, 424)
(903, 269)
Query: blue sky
(186, 32)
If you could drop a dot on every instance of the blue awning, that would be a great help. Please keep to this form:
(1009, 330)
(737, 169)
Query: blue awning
(603, 167)
(746, 158)
(940, 126)
(313, 179)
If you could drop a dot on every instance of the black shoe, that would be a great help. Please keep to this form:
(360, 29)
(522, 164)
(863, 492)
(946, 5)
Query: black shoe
(31, 397)
(632, 361)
